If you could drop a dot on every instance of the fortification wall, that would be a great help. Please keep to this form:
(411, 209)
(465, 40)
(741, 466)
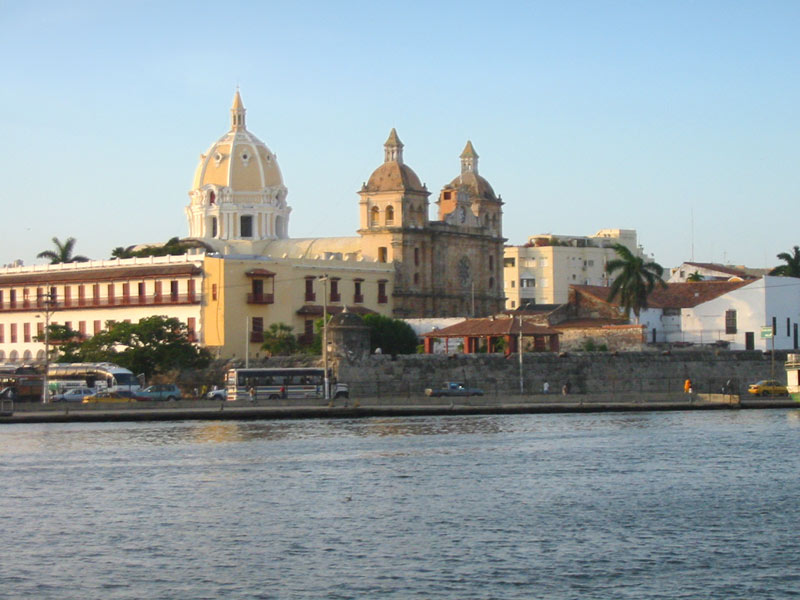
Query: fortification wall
(586, 372)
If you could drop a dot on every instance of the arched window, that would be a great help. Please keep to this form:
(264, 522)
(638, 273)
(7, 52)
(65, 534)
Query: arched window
(39, 355)
(13, 356)
(389, 216)
(2, 355)
(212, 197)
(27, 355)
(375, 216)
(246, 222)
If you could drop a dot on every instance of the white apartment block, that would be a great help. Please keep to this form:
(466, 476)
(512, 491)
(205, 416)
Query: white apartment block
(541, 271)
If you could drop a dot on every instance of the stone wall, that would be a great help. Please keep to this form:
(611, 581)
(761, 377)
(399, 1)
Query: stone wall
(622, 338)
(586, 372)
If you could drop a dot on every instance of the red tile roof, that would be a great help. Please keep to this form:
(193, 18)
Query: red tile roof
(675, 295)
(490, 327)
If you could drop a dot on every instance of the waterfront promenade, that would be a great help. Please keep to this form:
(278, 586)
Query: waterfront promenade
(380, 407)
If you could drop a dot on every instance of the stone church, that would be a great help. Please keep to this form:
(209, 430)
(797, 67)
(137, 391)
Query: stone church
(448, 267)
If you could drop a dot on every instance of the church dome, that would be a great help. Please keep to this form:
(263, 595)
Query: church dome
(393, 175)
(238, 160)
(469, 178)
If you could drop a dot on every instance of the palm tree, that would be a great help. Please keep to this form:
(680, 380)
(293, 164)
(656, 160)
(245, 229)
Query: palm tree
(62, 253)
(695, 277)
(792, 266)
(636, 280)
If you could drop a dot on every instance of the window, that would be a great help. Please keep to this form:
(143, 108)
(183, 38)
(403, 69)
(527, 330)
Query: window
(310, 295)
(416, 257)
(257, 333)
(39, 330)
(142, 293)
(491, 263)
(513, 283)
(111, 293)
(97, 327)
(509, 262)
(374, 216)
(12, 298)
(543, 261)
(67, 295)
(191, 325)
(382, 299)
(53, 295)
(158, 291)
(358, 296)
(213, 291)
(13, 333)
(190, 290)
(389, 216)
(26, 332)
(335, 296)
(126, 293)
(527, 283)
(81, 295)
(25, 298)
(730, 321)
(82, 328)
(173, 290)
(213, 225)
(2, 333)
(513, 304)
(246, 226)
(96, 294)
(383, 254)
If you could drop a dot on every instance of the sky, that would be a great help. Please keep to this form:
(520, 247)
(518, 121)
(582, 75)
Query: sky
(677, 119)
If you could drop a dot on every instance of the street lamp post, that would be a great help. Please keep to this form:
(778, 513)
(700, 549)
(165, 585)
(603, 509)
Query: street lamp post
(521, 381)
(48, 306)
(326, 380)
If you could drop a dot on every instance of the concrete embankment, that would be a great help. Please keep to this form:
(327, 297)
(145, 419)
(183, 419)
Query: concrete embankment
(381, 407)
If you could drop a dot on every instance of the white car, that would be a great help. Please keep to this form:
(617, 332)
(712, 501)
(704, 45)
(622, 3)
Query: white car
(217, 394)
(74, 394)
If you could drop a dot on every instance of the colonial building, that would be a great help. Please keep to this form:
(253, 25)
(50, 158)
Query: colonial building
(246, 273)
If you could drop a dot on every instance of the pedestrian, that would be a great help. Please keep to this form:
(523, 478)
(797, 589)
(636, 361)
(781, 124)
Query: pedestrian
(546, 388)
(687, 386)
(565, 388)
(252, 392)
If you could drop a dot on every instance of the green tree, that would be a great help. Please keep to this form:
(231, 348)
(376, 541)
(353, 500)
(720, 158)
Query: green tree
(392, 336)
(694, 277)
(64, 343)
(173, 246)
(62, 252)
(280, 341)
(792, 266)
(636, 280)
(155, 344)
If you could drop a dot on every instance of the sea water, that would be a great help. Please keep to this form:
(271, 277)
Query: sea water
(614, 505)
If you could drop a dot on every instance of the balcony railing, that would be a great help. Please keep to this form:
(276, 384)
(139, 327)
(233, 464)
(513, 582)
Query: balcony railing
(336, 297)
(383, 299)
(311, 297)
(153, 300)
(260, 298)
(257, 336)
(358, 298)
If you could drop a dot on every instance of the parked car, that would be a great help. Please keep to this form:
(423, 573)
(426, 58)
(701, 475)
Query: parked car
(160, 391)
(74, 395)
(767, 387)
(217, 394)
(122, 396)
(453, 388)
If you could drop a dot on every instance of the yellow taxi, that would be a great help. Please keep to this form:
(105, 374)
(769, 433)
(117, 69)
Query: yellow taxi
(767, 387)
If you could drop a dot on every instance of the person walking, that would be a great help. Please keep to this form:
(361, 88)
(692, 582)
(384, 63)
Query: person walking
(687, 386)
(546, 387)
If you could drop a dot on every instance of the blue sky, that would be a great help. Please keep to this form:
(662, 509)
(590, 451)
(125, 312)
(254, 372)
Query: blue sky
(664, 117)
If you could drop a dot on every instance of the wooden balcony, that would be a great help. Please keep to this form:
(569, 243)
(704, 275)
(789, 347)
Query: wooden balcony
(260, 298)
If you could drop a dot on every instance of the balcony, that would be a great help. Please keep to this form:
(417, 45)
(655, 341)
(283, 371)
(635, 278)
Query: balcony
(336, 297)
(257, 337)
(311, 297)
(260, 298)
(383, 299)
(358, 298)
(89, 303)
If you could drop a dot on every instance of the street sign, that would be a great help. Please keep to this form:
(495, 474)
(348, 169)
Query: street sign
(766, 332)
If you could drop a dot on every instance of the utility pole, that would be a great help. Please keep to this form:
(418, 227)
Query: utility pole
(247, 342)
(326, 380)
(521, 380)
(49, 304)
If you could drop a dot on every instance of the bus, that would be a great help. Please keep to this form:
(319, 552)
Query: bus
(273, 384)
(21, 383)
(100, 376)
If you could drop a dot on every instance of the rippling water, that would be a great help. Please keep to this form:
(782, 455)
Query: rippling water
(647, 505)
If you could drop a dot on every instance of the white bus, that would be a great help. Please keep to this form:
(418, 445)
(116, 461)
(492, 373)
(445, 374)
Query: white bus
(99, 376)
(273, 384)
